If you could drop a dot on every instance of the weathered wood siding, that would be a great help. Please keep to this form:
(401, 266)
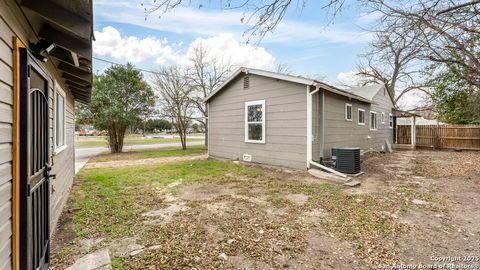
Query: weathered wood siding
(286, 122)
(12, 23)
(342, 133)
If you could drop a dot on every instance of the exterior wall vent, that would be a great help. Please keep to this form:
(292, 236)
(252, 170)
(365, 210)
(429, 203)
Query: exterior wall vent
(247, 157)
(246, 82)
(346, 160)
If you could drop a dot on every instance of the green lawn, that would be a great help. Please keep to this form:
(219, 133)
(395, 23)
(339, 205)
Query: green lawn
(151, 153)
(112, 199)
(101, 141)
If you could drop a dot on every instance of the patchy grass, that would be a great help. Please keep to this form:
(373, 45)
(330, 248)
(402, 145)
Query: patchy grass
(151, 153)
(101, 141)
(111, 200)
(119, 264)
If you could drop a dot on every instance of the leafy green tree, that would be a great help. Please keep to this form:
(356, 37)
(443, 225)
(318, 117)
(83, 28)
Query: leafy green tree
(157, 124)
(455, 101)
(195, 127)
(120, 97)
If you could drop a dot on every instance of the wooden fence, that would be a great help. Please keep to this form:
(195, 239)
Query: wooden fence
(442, 136)
(404, 134)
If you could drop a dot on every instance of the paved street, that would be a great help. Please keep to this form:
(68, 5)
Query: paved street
(82, 155)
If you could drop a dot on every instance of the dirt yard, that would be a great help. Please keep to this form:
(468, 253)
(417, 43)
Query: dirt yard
(204, 214)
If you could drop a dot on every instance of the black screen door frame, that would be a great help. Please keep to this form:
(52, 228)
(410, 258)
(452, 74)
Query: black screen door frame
(34, 183)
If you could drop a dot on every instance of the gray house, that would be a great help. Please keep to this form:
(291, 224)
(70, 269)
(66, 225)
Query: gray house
(45, 67)
(270, 118)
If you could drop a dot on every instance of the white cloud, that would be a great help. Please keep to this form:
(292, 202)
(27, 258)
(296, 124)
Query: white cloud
(369, 17)
(224, 47)
(109, 42)
(350, 78)
(180, 20)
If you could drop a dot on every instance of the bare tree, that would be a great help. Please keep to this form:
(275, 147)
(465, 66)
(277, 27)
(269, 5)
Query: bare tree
(205, 73)
(175, 102)
(444, 32)
(283, 68)
(413, 36)
(392, 61)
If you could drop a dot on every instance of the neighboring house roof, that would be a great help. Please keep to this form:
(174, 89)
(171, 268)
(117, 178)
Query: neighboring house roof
(289, 78)
(368, 91)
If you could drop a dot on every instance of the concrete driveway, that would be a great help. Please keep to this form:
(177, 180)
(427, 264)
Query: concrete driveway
(82, 155)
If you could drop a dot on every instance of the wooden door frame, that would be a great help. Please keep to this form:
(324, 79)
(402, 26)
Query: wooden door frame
(17, 45)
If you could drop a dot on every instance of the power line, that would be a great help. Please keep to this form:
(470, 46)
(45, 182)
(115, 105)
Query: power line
(114, 63)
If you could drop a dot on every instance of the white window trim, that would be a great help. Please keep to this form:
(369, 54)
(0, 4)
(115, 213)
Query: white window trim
(358, 115)
(351, 112)
(370, 118)
(390, 120)
(59, 149)
(383, 118)
(250, 103)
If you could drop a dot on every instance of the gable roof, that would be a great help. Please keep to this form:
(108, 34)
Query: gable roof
(289, 78)
(368, 91)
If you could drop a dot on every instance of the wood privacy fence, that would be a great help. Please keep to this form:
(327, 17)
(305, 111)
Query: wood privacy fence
(442, 136)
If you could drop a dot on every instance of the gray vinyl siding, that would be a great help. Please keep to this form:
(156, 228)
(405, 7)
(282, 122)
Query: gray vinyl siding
(285, 120)
(12, 24)
(6, 117)
(63, 163)
(342, 133)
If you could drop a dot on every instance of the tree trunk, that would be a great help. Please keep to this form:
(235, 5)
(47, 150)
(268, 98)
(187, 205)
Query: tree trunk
(183, 139)
(206, 133)
(116, 136)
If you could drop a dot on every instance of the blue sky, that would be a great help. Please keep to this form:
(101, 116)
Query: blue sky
(304, 40)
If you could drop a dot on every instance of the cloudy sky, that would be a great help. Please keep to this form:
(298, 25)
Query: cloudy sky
(304, 40)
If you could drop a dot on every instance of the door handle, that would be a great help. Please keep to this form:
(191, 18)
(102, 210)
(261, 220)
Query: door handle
(48, 168)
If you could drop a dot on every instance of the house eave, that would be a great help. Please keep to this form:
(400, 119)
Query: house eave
(284, 77)
(69, 26)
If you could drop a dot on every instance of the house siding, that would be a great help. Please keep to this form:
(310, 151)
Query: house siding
(12, 23)
(342, 133)
(286, 122)
(6, 117)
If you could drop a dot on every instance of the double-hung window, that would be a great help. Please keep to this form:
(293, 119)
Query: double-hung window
(390, 120)
(373, 120)
(361, 116)
(383, 118)
(255, 121)
(60, 126)
(348, 112)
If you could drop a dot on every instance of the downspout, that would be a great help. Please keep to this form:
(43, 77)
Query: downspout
(309, 123)
(322, 125)
(208, 129)
(309, 127)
